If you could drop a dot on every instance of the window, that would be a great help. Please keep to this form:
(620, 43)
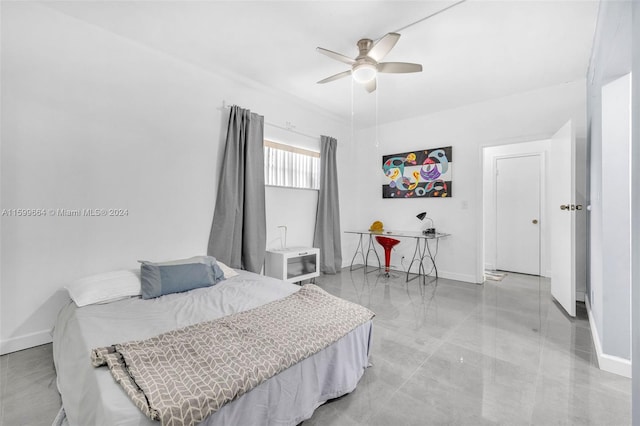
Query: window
(291, 167)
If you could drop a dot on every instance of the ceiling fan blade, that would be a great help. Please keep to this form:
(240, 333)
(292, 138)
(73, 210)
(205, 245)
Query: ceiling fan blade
(399, 67)
(371, 85)
(383, 46)
(337, 56)
(335, 77)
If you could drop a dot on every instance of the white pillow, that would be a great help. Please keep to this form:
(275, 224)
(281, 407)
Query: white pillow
(228, 272)
(107, 287)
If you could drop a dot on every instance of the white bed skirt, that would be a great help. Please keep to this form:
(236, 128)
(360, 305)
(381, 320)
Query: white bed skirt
(90, 396)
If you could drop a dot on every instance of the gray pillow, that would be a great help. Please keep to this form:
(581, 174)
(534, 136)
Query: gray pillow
(177, 276)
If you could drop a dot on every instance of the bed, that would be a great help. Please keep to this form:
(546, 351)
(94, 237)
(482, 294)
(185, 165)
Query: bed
(90, 396)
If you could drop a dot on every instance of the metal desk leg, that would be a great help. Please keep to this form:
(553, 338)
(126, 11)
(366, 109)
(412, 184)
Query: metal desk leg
(359, 250)
(372, 248)
(418, 256)
(432, 256)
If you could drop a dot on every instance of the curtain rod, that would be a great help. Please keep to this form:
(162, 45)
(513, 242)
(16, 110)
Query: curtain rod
(287, 126)
(290, 128)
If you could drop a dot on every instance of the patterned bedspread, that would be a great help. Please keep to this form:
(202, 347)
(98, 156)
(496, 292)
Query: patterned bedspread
(181, 377)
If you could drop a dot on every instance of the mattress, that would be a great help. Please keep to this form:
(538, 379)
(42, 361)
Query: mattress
(91, 396)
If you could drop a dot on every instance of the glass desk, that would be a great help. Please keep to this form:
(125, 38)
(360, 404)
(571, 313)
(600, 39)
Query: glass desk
(423, 249)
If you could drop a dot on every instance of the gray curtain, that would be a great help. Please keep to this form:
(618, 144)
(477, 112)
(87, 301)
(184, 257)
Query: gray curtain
(327, 232)
(238, 233)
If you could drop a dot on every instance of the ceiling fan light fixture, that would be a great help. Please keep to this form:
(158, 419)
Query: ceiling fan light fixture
(365, 67)
(364, 73)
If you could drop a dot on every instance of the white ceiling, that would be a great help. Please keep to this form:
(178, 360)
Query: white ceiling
(475, 51)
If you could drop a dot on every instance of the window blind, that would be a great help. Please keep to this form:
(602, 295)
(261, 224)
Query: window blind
(292, 167)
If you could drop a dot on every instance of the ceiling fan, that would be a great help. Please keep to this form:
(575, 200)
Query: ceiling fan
(367, 64)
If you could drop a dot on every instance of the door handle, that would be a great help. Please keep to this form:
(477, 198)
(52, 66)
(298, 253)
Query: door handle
(534, 221)
(571, 207)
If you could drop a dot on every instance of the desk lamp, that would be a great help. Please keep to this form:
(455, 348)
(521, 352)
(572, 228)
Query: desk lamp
(427, 231)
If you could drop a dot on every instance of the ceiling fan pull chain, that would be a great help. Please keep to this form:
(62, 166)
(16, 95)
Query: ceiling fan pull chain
(377, 136)
(353, 135)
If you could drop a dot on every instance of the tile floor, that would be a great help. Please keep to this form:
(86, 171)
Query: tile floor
(28, 390)
(461, 354)
(443, 353)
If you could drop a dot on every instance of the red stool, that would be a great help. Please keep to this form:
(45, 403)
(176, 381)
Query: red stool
(387, 243)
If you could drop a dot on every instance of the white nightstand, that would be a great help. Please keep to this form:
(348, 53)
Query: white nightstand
(293, 264)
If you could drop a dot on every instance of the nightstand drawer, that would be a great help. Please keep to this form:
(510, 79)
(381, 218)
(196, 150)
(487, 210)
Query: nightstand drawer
(293, 264)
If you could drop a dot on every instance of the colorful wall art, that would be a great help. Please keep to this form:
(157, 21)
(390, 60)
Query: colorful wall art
(418, 174)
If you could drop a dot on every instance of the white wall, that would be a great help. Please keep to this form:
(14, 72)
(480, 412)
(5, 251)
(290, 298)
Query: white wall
(635, 219)
(608, 306)
(93, 120)
(615, 209)
(527, 116)
(299, 217)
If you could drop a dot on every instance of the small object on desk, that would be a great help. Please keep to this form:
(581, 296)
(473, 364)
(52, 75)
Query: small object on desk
(427, 231)
(376, 226)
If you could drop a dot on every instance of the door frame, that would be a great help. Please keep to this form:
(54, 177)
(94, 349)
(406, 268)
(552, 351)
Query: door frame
(542, 202)
(480, 193)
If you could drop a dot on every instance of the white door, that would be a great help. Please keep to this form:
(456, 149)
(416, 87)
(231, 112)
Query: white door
(518, 214)
(562, 217)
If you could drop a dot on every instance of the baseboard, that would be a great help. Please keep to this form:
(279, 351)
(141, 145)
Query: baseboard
(457, 277)
(26, 341)
(441, 274)
(610, 363)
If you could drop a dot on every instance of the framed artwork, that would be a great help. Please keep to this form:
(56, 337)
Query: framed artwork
(418, 174)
